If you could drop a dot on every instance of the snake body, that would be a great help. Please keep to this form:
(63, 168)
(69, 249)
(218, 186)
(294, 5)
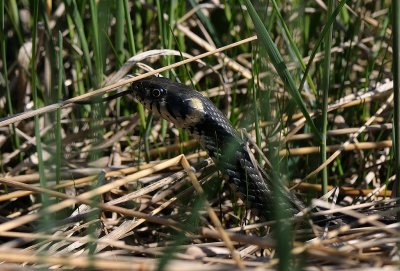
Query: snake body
(189, 109)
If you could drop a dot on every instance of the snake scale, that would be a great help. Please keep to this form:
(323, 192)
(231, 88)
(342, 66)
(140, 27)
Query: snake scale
(190, 110)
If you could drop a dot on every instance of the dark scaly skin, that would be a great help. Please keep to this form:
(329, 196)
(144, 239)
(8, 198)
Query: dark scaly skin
(189, 109)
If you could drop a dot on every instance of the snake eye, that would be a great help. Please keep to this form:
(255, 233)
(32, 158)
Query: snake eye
(157, 92)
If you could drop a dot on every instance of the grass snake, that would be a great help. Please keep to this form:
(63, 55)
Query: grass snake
(190, 110)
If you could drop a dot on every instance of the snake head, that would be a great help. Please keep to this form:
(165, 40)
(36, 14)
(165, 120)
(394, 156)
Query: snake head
(148, 92)
(171, 100)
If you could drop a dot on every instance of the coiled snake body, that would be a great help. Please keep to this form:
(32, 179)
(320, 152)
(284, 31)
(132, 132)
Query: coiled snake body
(188, 109)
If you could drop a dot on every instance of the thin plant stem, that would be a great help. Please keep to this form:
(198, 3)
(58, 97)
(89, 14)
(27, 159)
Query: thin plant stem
(58, 113)
(396, 91)
(95, 40)
(132, 52)
(293, 45)
(15, 138)
(39, 151)
(325, 96)
(79, 26)
(119, 42)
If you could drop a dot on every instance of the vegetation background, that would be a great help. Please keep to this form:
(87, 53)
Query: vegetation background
(104, 186)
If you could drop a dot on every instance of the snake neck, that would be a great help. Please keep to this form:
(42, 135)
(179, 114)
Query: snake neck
(217, 136)
(232, 157)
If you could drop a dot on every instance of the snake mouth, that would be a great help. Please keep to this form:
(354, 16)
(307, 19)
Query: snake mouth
(137, 91)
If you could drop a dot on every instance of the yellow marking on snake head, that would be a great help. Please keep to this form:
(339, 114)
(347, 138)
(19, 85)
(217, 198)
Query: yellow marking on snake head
(195, 112)
(196, 104)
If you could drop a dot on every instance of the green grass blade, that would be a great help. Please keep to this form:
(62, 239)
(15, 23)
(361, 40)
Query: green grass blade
(77, 65)
(131, 40)
(160, 20)
(132, 52)
(256, 106)
(39, 151)
(15, 138)
(318, 43)
(119, 32)
(280, 66)
(95, 39)
(58, 113)
(13, 15)
(119, 42)
(325, 96)
(79, 27)
(396, 90)
(293, 45)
